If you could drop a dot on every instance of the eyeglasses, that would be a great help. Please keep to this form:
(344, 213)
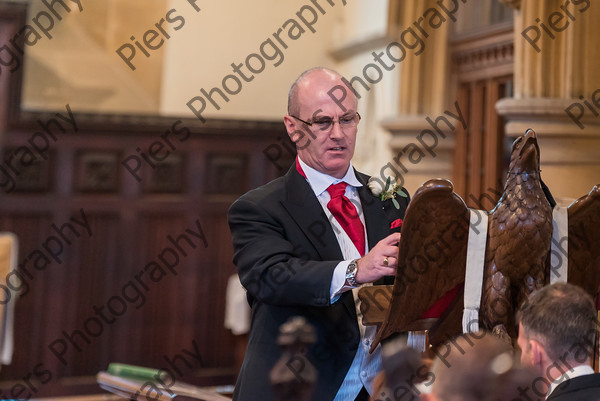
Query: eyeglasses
(327, 123)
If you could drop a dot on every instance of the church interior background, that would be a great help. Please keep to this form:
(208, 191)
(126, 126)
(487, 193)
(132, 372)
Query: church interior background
(127, 128)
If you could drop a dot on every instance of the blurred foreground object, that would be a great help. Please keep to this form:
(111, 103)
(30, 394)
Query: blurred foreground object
(477, 367)
(146, 384)
(9, 250)
(293, 376)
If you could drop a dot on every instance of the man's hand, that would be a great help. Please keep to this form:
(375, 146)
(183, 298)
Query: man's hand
(371, 267)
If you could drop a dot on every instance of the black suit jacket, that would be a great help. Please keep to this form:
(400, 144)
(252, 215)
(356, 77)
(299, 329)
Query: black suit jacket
(581, 388)
(286, 251)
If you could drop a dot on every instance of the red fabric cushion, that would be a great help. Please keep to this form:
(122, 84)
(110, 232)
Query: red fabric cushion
(441, 304)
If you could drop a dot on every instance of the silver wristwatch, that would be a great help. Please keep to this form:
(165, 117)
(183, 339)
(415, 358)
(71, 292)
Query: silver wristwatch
(351, 273)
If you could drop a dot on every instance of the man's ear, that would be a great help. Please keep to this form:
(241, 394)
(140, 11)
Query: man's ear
(296, 132)
(290, 125)
(538, 353)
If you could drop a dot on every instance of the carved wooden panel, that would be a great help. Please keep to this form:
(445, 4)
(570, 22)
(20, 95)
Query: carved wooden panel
(226, 174)
(169, 175)
(97, 171)
(22, 171)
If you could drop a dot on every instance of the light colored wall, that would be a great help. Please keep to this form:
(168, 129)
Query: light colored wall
(379, 102)
(79, 65)
(360, 24)
(226, 32)
(217, 46)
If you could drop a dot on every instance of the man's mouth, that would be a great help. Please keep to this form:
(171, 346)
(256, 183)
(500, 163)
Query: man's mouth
(337, 148)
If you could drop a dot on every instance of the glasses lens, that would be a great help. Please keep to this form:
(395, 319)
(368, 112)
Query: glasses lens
(348, 121)
(324, 124)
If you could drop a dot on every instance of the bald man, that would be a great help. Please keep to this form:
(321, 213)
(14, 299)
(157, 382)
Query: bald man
(305, 241)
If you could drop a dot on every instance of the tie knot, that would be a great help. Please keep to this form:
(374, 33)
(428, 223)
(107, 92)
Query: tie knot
(337, 190)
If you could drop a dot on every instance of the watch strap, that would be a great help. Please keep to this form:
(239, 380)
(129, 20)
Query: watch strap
(351, 273)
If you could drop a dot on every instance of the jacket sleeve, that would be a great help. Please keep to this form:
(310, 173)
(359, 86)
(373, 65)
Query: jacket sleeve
(272, 268)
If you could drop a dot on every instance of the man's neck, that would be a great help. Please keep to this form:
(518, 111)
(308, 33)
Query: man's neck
(320, 181)
(338, 175)
(568, 370)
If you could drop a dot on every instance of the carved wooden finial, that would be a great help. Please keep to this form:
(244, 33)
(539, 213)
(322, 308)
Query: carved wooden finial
(516, 4)
(293, 376)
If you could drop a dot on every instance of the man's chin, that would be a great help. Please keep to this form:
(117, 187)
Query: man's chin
(338, 168)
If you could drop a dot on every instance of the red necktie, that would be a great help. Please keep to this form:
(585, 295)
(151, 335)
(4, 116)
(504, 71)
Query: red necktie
(345, 213)
(299, 168)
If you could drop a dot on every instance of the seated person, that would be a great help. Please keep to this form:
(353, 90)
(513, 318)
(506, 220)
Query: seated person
(476, 367)
(557, 326)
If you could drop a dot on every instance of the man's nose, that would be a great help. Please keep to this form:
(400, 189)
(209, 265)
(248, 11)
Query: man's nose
(336, 130)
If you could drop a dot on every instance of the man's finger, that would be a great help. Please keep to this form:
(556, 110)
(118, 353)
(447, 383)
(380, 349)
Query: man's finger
(391, 239)
(392, 262)
(389, 271)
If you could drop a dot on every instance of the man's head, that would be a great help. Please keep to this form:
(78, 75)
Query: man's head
(326, 147)
(557, 325)
(476, 367)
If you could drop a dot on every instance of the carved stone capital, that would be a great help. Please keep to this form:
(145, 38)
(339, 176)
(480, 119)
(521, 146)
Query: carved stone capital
(516, 4)
(419, 150)
(569, 153)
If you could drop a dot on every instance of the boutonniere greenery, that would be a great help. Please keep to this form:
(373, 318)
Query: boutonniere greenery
(391, 190)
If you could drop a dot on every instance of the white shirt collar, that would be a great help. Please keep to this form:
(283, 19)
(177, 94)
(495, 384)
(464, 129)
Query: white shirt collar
(319, 182)
(579, 370)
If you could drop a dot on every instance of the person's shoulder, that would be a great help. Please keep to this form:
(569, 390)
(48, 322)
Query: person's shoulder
(592, 379)
(266, 191)
(272, 191)
(578, 388)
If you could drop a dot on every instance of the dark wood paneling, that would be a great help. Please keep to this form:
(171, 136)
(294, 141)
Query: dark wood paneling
(131, 222)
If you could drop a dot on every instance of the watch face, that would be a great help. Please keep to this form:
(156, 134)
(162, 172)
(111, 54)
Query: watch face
(352, 267)
(351, 273)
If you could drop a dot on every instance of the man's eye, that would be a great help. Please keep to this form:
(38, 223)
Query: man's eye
(346, 120)
(323, 124)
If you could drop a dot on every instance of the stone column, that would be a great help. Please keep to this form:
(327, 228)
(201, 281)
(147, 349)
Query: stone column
(557, 90)
(423, 93)
(12, 18)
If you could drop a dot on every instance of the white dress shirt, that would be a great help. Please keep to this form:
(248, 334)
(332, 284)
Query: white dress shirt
(365, 366)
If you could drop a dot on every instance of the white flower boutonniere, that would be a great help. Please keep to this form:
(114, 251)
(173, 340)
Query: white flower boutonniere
(391, 190)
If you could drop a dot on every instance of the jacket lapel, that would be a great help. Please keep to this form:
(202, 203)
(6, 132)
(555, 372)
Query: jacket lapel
(305, 209)
(307, 212)
(376, 222)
